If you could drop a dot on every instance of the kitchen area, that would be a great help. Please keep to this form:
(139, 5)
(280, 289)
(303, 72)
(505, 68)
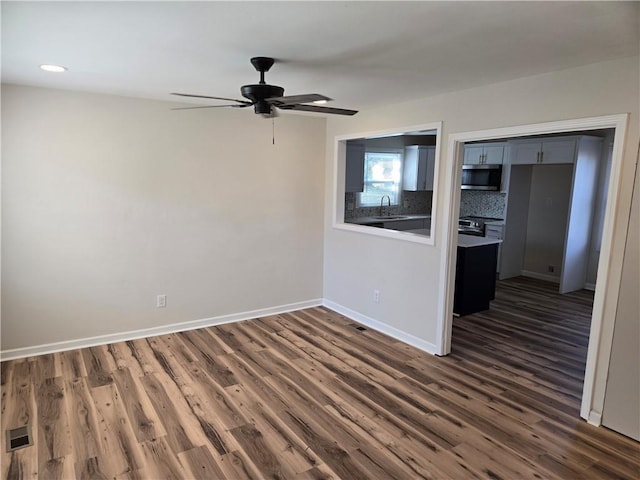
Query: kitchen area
(530, 206)
(542, 200)
(480, 227)
(389, 184)
(390, 180)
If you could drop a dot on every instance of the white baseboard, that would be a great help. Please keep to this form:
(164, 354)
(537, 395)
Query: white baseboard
(382, 327)
(540, 276)
(23, 352)
(153, 331)
(595, 418)
(590, 286)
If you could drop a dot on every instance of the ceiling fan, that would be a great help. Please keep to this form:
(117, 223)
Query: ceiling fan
(264, 97)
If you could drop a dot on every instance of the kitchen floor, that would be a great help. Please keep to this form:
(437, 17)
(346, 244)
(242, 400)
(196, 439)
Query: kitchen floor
(533, 329)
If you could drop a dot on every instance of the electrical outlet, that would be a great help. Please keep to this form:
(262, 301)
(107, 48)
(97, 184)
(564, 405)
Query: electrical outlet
(161, 301)
(551, 268)
(376, 296)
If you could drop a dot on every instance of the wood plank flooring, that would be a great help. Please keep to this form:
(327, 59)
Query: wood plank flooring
(306, 395)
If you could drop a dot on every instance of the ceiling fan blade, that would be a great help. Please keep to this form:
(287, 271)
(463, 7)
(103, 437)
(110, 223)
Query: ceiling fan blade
(212, 98)
(318, 109)
(304, 98)
(212, 106)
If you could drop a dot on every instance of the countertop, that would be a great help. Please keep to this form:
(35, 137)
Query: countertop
(467, 241)
(494, 222)
(376, 219)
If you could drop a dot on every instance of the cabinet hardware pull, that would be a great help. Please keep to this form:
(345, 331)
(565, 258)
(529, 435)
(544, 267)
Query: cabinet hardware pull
(541, 157)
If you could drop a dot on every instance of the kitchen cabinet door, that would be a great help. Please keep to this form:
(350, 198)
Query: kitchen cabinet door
(525, 153)
(484, 154)
(354, 174)
(475, 283)
(473, 154)
(419, 165)
(558, 151)
(493, 154)
(551, 151)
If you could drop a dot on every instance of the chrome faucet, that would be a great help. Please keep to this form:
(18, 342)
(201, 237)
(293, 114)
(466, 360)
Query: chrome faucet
(382, 201)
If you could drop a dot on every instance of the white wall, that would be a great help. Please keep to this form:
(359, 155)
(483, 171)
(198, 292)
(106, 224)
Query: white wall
(604, 174)
(108, 201)
(622, 402)
(409, 275)
(547, 219)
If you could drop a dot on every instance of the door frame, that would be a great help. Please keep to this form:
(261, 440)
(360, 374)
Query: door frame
(609, 265)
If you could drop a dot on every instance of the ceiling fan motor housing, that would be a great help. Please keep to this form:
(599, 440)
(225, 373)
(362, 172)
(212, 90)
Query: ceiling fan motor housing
(258, 93)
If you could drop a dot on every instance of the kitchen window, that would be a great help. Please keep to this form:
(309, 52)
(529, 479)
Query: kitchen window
(382, 176)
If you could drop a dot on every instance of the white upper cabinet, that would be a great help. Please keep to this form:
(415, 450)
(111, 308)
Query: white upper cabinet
(548, 151)
(418, 168)
(354, 174)
(484, 154)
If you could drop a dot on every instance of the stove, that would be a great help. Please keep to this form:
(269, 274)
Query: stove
(471, 226)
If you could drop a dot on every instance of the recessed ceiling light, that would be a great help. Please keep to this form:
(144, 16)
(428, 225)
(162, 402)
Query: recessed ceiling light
(53, 68)
(320, 102)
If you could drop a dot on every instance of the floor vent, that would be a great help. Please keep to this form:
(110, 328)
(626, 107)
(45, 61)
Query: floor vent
(19, 438)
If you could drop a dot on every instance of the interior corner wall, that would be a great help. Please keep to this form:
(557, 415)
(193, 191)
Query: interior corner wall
(109, 201)
(604, 174)
(547, 220)
(410, 276)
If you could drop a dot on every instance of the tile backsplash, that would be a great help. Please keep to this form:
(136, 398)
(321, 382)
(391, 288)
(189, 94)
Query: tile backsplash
(416, 203)
(474, 203)
(477, 203)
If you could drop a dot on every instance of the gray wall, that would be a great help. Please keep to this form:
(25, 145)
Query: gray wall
(598, 217)
(547, 219)
(109, 201)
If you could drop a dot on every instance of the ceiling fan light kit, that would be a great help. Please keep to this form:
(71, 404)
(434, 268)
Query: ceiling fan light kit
(47, 67)
(264, 97)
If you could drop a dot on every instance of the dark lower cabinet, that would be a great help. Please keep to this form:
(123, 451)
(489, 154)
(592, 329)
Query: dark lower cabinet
(475, 278)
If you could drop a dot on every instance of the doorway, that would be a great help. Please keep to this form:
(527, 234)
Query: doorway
(608, 282)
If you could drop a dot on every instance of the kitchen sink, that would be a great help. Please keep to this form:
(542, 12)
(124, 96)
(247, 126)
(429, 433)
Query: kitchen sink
(391, 217)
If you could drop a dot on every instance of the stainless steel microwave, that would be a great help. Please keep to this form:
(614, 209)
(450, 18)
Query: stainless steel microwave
(481, 177)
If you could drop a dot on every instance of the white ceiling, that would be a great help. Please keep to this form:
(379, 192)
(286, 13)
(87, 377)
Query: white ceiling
(362, 54)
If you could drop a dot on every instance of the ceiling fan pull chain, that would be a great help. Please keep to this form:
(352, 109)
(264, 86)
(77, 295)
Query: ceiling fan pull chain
(273, 131)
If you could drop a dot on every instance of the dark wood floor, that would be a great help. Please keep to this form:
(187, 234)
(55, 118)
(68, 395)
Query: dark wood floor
(306, 395)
